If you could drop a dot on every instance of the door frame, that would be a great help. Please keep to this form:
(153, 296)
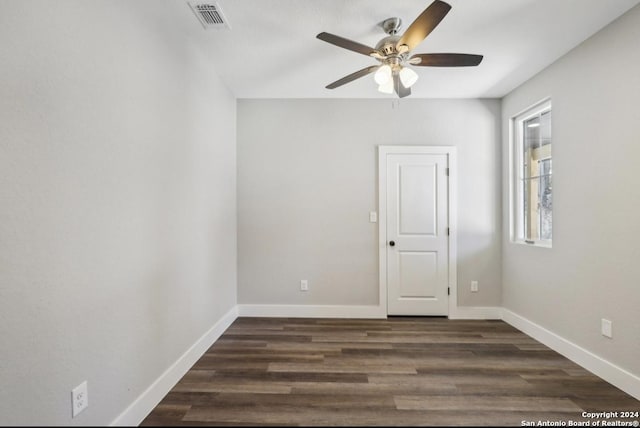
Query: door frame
(452, 198)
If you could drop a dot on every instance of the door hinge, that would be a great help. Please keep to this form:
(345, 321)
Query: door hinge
(446, 171)
(448, 231)
(448, 291)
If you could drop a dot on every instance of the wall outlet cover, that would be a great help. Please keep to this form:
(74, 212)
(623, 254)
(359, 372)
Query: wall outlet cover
(79, 399)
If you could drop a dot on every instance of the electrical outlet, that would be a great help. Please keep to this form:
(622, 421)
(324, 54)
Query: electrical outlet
(474, 286)
(373, 217)
(304, 285)
(607, 328)
(79, 399)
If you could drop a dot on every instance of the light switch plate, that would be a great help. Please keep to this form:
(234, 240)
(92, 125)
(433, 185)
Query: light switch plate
(373, 217)
(607, 328)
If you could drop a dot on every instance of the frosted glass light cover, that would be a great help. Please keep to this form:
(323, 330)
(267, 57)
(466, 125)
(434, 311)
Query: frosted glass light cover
(386, 88)
(383, 75)
(408, 77)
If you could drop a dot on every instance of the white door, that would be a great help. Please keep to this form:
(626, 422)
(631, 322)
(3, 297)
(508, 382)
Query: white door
(417, 240)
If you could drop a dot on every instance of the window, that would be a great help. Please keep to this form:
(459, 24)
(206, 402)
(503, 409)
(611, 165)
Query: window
(532, 173)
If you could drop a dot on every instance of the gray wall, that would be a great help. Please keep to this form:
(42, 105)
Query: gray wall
(593, 269)
(117, 203)
(307, 179)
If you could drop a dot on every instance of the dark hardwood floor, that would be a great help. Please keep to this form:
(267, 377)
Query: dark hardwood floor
(400, 371)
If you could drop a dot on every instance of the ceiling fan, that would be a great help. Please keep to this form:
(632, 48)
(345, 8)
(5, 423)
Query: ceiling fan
(394, 52)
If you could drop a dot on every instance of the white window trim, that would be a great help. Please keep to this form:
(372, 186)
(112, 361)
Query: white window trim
(516, 203)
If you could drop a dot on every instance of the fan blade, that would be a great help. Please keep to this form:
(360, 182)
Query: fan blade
(346, 44)
(399, 87)
(445, 60)
(353, 76)
(424, 24)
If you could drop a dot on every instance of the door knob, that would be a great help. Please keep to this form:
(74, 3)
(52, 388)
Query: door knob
(392, 244)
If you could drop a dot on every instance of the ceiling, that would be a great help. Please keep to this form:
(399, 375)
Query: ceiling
(271, 50)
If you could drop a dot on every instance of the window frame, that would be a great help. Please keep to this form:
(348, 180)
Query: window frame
(516, 172)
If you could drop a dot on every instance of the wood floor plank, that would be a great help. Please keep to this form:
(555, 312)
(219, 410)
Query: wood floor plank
(312, 400)
(467, 379)
(226, 342)
(346, 367)
(190, 397)
(366, 389)
(515, 390)
(507, 403)
(400, 371)
(255, 387)
(298, 376)
(226, 359)
(327, 346)
(198, 375)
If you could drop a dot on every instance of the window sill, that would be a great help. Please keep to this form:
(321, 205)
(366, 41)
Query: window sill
(541, 244)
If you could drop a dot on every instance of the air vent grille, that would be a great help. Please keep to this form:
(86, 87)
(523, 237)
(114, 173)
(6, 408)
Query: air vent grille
(210, 15)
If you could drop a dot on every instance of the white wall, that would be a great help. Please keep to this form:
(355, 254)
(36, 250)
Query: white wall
(307, 179)
(117, 202)
(593, 269)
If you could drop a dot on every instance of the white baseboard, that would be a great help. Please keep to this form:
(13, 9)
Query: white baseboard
(339, 311)
(144, 404)
(476, 313)
(617, 376)
(311, 311)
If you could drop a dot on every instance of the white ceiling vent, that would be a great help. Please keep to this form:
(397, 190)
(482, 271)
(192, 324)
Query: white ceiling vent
(210, 15)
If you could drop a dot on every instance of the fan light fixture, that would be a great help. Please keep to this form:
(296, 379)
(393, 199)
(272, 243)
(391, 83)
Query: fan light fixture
(385, 79)
(394, 52)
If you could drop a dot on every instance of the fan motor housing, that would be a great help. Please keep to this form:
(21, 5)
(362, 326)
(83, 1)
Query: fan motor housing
(388, 45)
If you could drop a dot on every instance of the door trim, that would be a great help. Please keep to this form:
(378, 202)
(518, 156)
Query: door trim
(451, 153)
